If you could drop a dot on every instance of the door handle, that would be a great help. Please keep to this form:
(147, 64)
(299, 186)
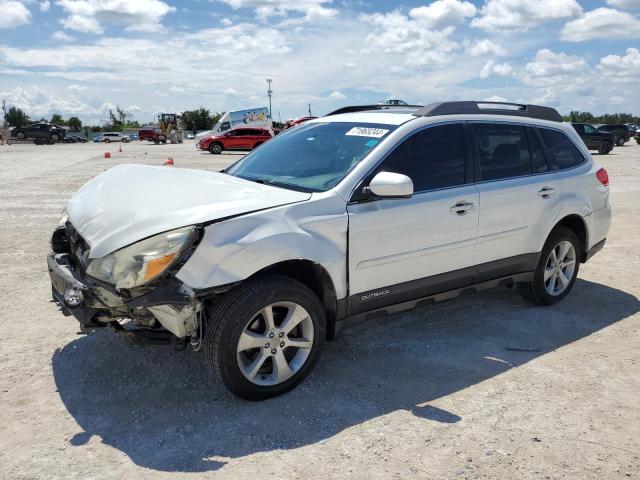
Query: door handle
(461, 208)
(546, 192)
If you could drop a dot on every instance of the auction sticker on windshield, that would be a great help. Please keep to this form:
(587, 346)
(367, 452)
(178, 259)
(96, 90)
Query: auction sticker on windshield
(367, 132)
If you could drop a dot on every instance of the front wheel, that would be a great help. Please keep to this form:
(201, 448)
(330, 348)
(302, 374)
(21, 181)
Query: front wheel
(264, 338)
(215, 148)
(21, 135)
(106, 140)
(605, 148)
(557, 268)
(620, 142)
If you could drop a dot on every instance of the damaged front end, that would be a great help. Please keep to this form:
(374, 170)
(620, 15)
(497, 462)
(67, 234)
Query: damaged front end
(136, 283)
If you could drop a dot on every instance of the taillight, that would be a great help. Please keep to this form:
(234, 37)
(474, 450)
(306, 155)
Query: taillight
(603, 177)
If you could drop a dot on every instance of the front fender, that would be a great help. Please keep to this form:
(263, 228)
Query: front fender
(235, 249)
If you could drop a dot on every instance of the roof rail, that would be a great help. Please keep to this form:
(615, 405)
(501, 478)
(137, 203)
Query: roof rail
(478, 108)
(364, 108)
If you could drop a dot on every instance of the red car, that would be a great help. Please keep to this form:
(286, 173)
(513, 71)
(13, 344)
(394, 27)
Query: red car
(153, 134)
(236, 139)
(297, 121)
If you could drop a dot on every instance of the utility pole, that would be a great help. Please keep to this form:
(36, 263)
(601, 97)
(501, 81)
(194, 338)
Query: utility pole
(269, 93)
(309, 109)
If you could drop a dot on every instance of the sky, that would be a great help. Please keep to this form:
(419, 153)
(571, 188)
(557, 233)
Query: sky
(82, 57)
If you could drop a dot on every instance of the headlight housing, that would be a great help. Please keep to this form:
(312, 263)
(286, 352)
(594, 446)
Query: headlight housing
(141, 262)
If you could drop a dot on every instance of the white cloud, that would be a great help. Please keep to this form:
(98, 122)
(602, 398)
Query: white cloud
(225, 22)
(483, 47)
(312, 10)
(626, 4)
(74, 87)
(622, 69)
(87, 16)
(602, 23)
(62, 36)
(336, 95)
(549, 68)
(492, 69)
(40, 102)
(44, 6)
(231, 91)
(443, 13)
(520, 15)
(13, 14)
(404, 35)
(495, 98)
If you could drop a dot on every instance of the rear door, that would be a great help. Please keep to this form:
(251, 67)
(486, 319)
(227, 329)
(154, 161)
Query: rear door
(520, 196)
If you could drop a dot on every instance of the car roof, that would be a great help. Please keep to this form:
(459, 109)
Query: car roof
(383, 117)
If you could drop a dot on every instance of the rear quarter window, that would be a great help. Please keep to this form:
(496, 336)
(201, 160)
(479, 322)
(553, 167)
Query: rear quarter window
(561, 149)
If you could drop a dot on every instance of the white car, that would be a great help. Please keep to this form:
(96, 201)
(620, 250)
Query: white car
(344, 215)
(108, 137)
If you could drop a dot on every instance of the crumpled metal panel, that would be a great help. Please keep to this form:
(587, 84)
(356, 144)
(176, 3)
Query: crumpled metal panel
(131, 202)
(235, 249)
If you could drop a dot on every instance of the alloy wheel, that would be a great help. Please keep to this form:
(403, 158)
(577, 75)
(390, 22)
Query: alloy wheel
(275, 343)
(559, 268)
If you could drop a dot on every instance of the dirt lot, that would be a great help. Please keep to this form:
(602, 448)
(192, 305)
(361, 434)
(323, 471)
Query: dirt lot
(434, 393)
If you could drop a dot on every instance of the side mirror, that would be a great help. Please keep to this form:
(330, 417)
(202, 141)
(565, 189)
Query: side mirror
(391, 185)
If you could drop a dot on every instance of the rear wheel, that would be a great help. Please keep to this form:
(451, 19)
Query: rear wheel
(605, 148)
(264, 338)
(21, 135)
(55, 137)
(557, 268)
(620, 142)
(106, 140)
(215, 148)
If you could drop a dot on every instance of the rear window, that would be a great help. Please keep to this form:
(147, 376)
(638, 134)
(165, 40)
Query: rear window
(561, 149)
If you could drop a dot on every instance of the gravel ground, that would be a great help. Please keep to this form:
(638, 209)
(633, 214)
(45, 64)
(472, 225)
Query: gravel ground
(434, 393)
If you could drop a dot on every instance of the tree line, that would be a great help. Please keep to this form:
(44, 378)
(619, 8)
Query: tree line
(587, 117)
(119, 120)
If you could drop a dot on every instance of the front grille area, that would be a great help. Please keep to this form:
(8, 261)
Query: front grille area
(78, 247)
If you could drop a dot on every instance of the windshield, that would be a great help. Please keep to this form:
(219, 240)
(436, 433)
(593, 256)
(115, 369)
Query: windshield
(313, 156)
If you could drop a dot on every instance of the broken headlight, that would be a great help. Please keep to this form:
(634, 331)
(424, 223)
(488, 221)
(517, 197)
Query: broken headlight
(141, 262)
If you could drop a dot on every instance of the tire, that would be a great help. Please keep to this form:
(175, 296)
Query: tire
(251, 373)
(605, 148)
(21, 135)
(620, 142)
(124, 140)
(215, 148)
(106, 140)
(538, 290)
(55, 137)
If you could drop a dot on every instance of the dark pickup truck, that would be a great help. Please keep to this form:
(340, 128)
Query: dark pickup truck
(37, 131)
(595, 139)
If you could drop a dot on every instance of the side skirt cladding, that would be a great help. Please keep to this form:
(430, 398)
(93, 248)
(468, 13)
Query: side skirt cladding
(447, 285)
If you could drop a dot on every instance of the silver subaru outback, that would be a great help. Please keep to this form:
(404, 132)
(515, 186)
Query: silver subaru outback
(366, 209)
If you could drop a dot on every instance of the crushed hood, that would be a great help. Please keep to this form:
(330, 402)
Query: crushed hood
(131, 202)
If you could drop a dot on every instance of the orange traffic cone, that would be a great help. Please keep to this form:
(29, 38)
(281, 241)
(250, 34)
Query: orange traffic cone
(107, 154)
(169, 161)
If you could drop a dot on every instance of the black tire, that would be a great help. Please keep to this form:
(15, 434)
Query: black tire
(21, 135)
(620, 142)
(605, 148)
(215, 148)
(535, 290)
(124, 140)
(229, 318)
(106, 140)
(55, 137)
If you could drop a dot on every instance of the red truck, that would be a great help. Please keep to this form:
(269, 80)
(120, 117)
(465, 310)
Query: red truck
(152, 134)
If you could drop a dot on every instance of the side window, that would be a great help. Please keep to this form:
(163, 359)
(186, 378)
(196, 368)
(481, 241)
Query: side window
(562, 150)
(540, 164)
(589, 129)
(432, 158)
(503, 151)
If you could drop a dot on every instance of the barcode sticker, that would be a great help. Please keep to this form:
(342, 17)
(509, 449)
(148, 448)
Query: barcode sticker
(367, 132)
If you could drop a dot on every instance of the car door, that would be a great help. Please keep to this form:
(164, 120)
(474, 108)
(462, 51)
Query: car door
(233, 140)
(520, 196)
(405, 248)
